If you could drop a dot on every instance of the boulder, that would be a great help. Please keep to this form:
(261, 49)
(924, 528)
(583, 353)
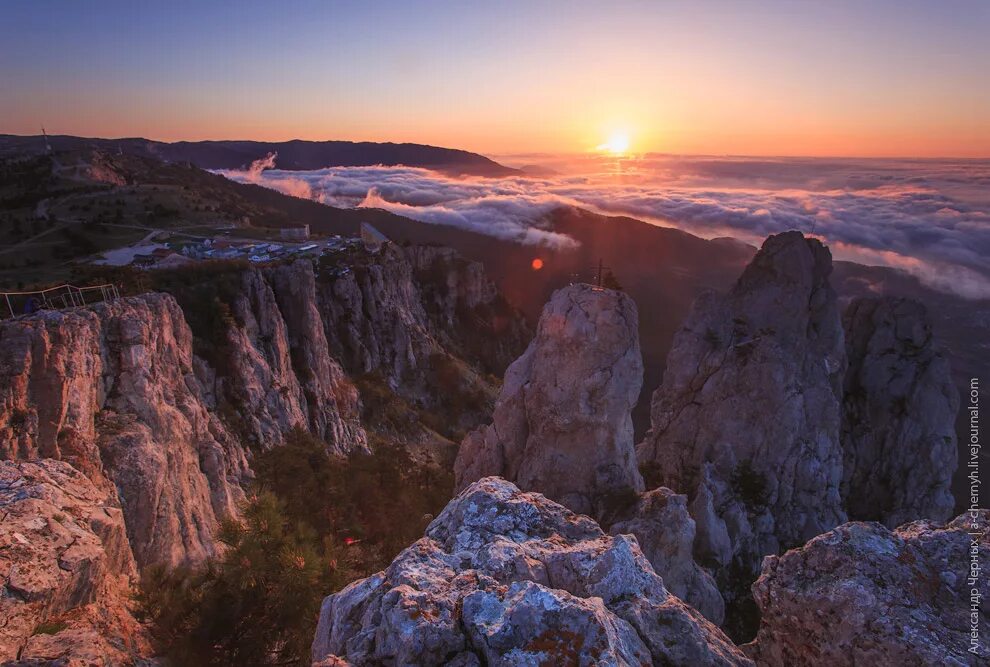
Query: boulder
(506, 577)
(862, 594)
(899, 411)
(562, 422)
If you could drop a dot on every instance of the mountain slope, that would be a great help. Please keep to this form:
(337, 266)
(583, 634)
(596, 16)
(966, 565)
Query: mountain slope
(294, 155)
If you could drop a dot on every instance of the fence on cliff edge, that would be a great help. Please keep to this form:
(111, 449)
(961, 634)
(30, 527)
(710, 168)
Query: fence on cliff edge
(56, 298)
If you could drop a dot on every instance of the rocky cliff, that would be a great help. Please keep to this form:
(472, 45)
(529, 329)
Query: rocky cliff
(505, 577)
(865, 595)
(466, 311)
(111, 389)
(428, 323)
(65, 568)
(898, 431)
(128, 429)
(747, 419)
(161, 400)
(562, 423)
(562, 427)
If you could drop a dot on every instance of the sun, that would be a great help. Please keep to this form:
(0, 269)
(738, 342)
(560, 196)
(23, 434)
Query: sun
(617, 144)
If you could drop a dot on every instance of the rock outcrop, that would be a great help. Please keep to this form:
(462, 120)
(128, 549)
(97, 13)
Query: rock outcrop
(331, 398)
(111, 389)
(864, 595)
(562, 423)
(259, 383)
(272, 368)
(412, 317)
(65, 569)
(665, 532)
(130, 395)
(466, 311)
(374, 314)
(898, 430)
(505, 577)
(747, 419)
(160, 406)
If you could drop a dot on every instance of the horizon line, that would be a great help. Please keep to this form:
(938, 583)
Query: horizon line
(512, 154)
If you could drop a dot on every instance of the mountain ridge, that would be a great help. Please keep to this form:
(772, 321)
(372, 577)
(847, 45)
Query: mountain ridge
(295, 154)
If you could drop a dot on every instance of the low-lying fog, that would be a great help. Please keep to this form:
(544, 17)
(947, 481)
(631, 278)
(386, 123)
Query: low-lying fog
(928, 217)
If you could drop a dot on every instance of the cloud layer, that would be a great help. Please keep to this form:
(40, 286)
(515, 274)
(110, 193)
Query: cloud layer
(929, 217)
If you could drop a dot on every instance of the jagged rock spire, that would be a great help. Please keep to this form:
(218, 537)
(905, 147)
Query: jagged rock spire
(562, 423)
(747, 419)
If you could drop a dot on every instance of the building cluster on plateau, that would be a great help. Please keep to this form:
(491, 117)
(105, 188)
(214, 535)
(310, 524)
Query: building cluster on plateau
(174, 253)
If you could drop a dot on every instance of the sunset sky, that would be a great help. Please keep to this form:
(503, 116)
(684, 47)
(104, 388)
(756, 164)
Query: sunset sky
(894, 78)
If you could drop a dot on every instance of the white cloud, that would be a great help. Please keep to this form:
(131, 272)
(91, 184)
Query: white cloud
(931, 218)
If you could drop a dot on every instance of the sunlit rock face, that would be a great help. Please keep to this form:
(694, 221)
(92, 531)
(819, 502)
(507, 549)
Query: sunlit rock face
(259, 380)
(506, 577)
(898, 430)
(862, 594)
(116, 390)
(747, 419)
(375, 316)
(562, 423)
(331, 399)
(111, 389)
(65, 570)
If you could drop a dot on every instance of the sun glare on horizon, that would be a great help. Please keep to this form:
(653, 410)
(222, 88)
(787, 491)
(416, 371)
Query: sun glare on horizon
(617, 144)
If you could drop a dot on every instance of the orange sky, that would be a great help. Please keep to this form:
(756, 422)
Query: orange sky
(770, 78)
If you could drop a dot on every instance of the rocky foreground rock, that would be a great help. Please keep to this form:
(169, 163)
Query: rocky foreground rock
(65, 569)
(865, 595)
(747, 419)
(505, 577)
(898, 428)
(562, 423)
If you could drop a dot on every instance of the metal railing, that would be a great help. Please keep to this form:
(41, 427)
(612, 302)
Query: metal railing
(54, 298)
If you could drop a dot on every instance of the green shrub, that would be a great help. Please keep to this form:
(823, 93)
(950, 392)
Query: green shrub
(380, 406)
(750, 486)
(50, 628)
(257, 604)
(316, 523)
(381, 500)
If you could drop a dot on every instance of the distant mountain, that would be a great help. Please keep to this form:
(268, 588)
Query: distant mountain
(293, 155)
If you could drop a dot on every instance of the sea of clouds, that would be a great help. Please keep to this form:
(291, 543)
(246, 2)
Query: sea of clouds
(928, 217)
